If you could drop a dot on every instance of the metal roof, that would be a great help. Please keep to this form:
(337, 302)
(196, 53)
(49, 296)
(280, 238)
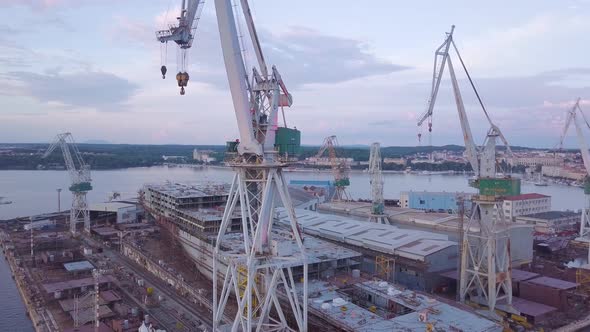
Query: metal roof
(109, 206)
(553, 283)
(517, 275)
(525, 196)
(521, 275)
(77, 283)
(412, 244)
(531, 308)
(105, 231)
(550, 215)
(317, 250)
(78, 266)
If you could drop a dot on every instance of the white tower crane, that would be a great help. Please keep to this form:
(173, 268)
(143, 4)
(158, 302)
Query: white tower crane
(80, 178)
(573, 115)
(183, 35)
(486, 266)
(258, 184)
(378, 203)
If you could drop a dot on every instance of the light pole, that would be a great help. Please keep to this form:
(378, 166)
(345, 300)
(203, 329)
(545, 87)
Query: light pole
(58, 199)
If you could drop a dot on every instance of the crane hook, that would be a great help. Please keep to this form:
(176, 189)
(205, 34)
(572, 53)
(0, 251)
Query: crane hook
(163, 70)
(182, 91)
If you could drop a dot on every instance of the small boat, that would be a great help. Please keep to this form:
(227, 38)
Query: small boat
(541, 184)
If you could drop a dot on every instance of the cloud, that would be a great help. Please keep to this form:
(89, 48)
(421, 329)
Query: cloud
(132, 31)
(535, 43)
(46, 4)
(534, 90)
(302, 55)
(529, 109)
(98, 90)
(307, 56)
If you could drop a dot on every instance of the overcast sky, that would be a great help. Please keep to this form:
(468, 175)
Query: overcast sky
(360, 70)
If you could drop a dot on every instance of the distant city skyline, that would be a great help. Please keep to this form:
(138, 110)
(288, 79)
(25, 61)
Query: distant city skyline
(358, 71)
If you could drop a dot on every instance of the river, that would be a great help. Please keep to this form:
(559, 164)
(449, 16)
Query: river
(34, 192)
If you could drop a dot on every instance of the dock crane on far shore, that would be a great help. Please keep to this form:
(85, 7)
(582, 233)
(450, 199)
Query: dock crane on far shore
(573, 115)
(377, 202)
(485, 276)
(340, 169)
(80, 178)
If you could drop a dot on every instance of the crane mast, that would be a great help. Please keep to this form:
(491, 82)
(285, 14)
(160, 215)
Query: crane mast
(573, 115)
(340, 169)
(486, 266)
(79, 173)
(257, 187)
(377, 201)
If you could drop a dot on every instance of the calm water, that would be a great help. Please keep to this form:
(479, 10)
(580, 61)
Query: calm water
(34, 192)
(12, 308)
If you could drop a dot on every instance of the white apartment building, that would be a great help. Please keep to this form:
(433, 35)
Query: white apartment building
(563, 172)
(525, 204)
(325, 161)
(531, 161)
(397, 161)
(203, 155)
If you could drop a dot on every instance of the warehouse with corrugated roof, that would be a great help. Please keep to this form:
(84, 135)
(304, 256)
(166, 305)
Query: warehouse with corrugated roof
(409, 257)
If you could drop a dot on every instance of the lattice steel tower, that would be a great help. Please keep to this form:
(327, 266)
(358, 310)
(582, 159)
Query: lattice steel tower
(80, 178)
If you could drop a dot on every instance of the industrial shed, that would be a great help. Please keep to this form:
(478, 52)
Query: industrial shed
(414, 258)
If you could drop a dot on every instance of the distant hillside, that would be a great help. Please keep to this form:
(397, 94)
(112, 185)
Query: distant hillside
(96, 141)
(101, 156)
(111, 156)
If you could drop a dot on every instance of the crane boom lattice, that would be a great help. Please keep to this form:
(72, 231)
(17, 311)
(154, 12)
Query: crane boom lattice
(485, 256)
(573, 116)
(79, 173)
(256, 271)
(377, 201)
(340, 169)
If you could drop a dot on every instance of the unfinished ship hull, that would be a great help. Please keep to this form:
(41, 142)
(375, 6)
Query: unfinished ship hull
(198, 249)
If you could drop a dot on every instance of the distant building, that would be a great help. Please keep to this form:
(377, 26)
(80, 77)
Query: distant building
(431, 201)
(552, 222)
(203, 156)
(536, 160)
(123, 212)
(323, 190)
(564, 172)
(525, 204)
(325, 161)
(424, 161)
(170, 158)
(395, 161)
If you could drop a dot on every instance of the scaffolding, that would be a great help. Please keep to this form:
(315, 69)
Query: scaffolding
(384, 266)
